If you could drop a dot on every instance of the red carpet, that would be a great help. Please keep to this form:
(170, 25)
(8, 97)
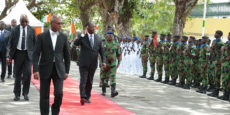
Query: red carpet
(71, 101)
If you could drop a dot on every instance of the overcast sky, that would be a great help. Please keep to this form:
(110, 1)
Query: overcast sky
(218, 1)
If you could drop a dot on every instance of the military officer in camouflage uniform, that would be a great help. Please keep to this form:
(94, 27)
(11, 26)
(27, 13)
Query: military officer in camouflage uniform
(166, 58)
(189, 55)
(144, 55)
(181, 65)
(216, 53)
(160, 54)
(226, 70)
(113, 58)
(203, 60)
(173, 60)
(152, 56)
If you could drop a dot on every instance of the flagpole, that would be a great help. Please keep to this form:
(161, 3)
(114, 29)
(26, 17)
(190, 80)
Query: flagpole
(204, 17)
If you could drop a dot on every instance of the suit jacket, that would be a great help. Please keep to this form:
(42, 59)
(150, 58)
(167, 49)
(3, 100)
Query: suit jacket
(4, 43)
(44, 54)
(9, 29)
(13, 43)
(88, 55)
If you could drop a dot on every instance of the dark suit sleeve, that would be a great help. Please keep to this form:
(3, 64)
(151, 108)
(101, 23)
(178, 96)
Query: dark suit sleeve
(77, 42)
(10, 44)
(102, 52)
(67, 55)
(37, 53)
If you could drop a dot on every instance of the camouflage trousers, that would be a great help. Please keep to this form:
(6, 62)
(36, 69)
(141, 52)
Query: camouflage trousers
(226, 79)
(189, 72)
(173, 70)
(152, 65)
(204, 74)
(159, 66)
(167, 69)
(217, 76)
(211, 73)
(181, 71)
(197, 74)
(109, 74)
(144, 64)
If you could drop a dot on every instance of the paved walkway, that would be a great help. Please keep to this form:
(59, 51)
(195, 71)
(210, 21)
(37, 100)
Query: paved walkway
(141, 96)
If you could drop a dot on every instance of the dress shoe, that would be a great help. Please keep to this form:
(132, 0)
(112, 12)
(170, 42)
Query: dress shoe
(16, 98)
(3, 80)
(88, 101)
(26, 97)
(215, 93)
(103, 91)
(9, 76)
(83, 101)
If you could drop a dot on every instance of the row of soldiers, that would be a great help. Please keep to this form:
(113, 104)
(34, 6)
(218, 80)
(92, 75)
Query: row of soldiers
(197, 63)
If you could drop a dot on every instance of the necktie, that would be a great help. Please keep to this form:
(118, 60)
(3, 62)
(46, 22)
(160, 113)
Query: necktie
(23, 39)
(91, 40)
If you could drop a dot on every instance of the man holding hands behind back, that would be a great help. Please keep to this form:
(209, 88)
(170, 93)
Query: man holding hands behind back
(91, 46)
(51, 60)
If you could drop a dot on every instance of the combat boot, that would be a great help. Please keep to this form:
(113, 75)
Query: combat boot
(187, 86)
(159, 79)
(173, 82)
(211, 88)
(103, 91)
(113, 91)
(202, 89)
(143, 76)
(181, 84)
(166, 81)
(225, 96)
(215, 93)
(151, 78)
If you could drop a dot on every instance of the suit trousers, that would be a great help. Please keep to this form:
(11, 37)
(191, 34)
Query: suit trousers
(86, 81)
(22, 70)
(45, 93)
(3, 63)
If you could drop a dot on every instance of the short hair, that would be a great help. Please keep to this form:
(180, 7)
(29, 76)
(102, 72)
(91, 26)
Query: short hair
(87, 24)
(146, 35)
(154, 32)
(205, 37)
(177, 37)
(13, 20)
(169, 34)
(185, 37)
(163, 35)
(23, 16)
(219, 32)
(192, 37)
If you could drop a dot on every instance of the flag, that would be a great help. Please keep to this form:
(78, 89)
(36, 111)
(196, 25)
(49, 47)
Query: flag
(72, 29)
(46, 18)
(155, 41)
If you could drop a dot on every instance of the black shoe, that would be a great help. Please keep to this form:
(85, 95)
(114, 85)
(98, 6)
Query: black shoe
(225, 96)
(26, 97)
(173, 82)
(211, 88)
(151, 78)
(196, 85)
(113, 91)
(215, 93)
(143, 76)
(3, 80)
(203, 90)
(159, 80)
(88, 101)
(180, 85)
(83, 101)
(16, 98)
(166, 81)
(187, 86)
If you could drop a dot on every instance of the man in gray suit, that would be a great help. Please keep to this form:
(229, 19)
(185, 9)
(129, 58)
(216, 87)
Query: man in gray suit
(20, 48)
(4, 38)
(91, 46)
(51, 60)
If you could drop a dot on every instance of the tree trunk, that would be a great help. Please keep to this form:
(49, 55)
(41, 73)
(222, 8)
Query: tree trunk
(123, 28)
(85, 17)
(8, 5)
(183, 8)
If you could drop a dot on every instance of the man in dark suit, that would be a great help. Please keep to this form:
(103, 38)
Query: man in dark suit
(51, 60)
(20, 48)
(10, 28)
(91, 46)
(4, 38)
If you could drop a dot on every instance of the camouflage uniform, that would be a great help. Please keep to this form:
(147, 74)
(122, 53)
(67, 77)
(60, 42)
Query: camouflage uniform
(189, 54)
(152, 58)
(144, 56)
(197, 78)
(181, 65)
(173, 59)
(159, 58)
(112, 54)
(166, 59)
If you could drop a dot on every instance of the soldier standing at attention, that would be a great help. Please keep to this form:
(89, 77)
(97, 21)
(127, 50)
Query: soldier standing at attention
(226, 70)
(166, 58)
(189, 55)
(113, 58)
(203, 60)
(181, 64)
(173, 59)
(144, 55)
(216, 53)
(152, 56)
(159, 59)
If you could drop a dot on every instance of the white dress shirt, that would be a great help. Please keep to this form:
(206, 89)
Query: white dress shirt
(54, 36)
(19, 47)
(91, 37)
(1, 33)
